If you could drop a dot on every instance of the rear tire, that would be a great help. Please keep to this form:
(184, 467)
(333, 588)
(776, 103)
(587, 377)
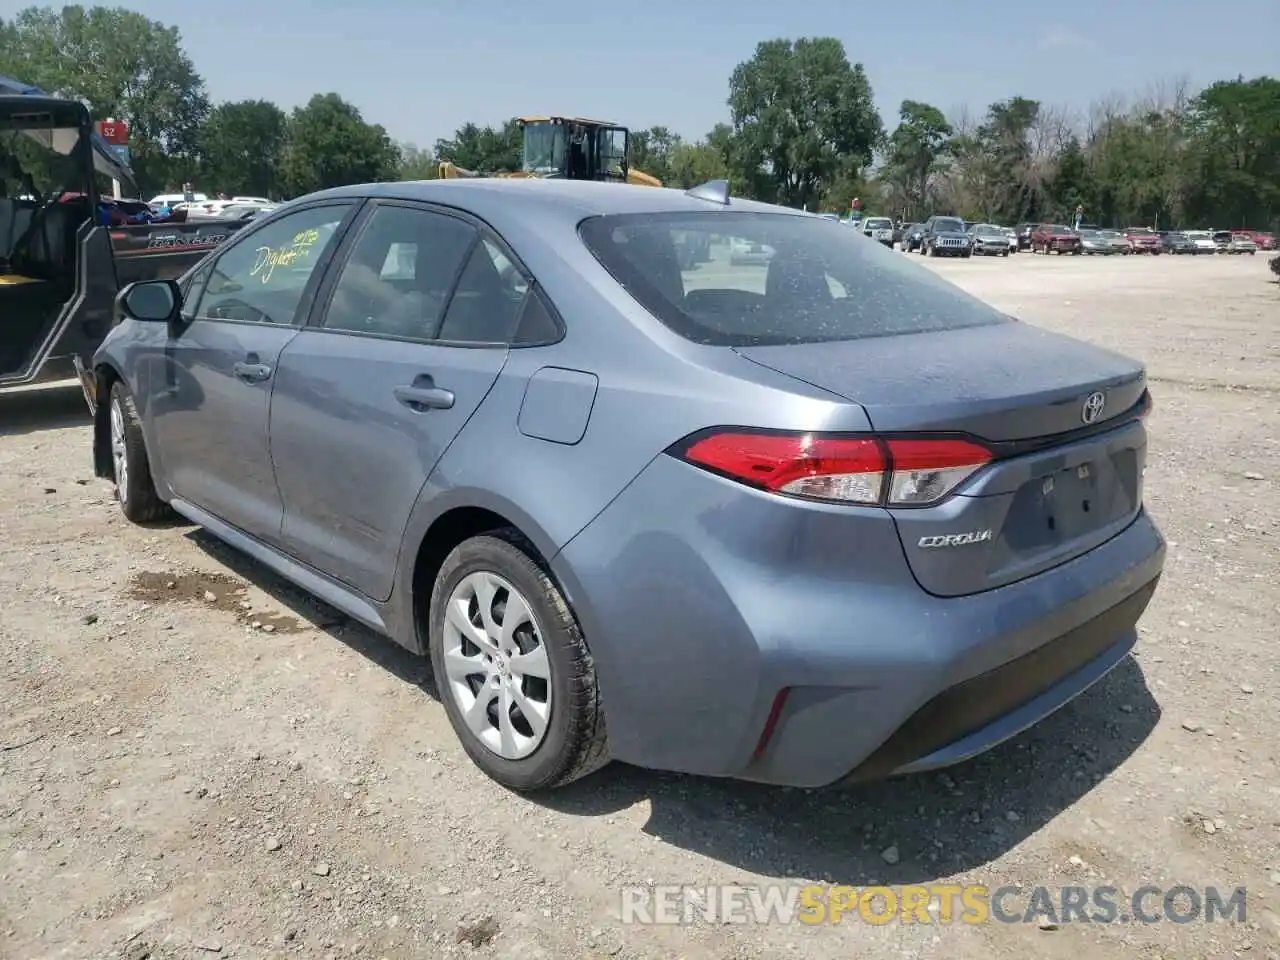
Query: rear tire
(499, 567)
(130, 467)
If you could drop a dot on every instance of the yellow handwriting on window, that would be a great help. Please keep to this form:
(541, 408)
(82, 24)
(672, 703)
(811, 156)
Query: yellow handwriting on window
(296, 253)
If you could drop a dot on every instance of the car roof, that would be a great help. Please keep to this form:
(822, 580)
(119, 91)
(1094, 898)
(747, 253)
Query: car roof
(504, 199)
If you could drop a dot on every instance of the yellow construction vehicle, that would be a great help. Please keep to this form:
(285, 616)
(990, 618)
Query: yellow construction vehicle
(568, 148)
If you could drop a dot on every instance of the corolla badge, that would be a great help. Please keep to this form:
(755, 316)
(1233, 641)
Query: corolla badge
(1093, 406)
(954, 539)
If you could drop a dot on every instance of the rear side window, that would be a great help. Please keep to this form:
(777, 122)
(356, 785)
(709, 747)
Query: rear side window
(397, 280)
(761, 279)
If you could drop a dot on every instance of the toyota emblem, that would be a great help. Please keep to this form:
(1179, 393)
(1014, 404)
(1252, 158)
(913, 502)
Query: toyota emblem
(1093, 405)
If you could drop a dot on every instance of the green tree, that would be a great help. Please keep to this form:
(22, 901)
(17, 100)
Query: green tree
(329, 144)
(1235, 128)
(485, 149)
(1003, 157)
(1071, 186)
(914, 150)
(803, 116)
(653, 151)
(123, 65)
(417, 164)
(241, 146)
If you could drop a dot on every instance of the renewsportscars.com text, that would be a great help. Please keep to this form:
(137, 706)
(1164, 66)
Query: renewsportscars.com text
(933, 904)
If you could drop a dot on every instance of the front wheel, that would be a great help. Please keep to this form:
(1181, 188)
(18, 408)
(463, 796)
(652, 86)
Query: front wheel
(515, 676)
(130, 468)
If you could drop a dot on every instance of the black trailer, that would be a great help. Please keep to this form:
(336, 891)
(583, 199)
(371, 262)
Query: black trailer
(60, 267)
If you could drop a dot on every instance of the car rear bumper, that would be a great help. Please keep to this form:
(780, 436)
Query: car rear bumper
(715, 613)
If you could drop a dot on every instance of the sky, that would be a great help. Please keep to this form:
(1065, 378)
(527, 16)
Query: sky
(421, 69)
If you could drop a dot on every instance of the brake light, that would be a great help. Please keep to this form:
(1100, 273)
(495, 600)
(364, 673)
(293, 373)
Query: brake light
(860, 468)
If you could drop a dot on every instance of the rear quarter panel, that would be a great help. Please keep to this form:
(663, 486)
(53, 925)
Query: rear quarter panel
(654, 388)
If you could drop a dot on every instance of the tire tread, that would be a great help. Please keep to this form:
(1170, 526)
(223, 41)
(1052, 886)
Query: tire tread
(142, 504)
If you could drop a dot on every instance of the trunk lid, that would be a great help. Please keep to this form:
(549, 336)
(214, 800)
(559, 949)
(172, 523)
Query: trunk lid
(1061, 484)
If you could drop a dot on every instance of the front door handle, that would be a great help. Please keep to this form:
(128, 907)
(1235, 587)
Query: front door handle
(422, 399)
(252, 372)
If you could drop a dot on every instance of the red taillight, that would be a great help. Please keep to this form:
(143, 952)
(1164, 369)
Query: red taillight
(846, 469)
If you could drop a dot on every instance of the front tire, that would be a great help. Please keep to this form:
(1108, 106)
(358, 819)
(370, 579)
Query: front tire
(130, 468)
(513, 671)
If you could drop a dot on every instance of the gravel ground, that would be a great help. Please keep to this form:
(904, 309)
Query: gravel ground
(199, 761)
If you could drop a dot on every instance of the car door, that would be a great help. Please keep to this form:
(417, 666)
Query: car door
(210, 404)
(410, 334)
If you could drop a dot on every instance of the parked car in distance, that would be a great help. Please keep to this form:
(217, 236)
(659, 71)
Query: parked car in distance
(1202, 240)
(746, 252)
(855, 523)
(912, 235)
(1143, 240)
(1118, 240)
(1171, 241)
(1055, 238)
(1098, 243)
(879, 229)
(1265, 241)
(988, 240)
(1012, 236)
(1242, 243)
(945, 237)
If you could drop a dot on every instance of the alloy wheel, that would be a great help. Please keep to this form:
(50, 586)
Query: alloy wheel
(496, 663)
(119, 451)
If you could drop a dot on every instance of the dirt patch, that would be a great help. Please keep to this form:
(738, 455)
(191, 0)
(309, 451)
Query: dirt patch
(214, 591)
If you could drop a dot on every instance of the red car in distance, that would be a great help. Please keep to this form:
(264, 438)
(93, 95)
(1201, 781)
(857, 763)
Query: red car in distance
(1056, 237)
(1144, 240)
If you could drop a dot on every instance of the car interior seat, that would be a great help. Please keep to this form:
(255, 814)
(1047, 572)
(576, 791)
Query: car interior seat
(797, 280)
(655, 257)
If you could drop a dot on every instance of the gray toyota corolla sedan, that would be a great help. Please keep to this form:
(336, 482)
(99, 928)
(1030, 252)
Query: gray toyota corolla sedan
(797, 519)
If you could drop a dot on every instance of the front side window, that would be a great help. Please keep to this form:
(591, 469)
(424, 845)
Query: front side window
(397, 280)
(262, 279)
(766, 279)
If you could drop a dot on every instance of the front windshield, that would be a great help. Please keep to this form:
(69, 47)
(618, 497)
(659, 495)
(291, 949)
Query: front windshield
(1090, 234)
(987, 230)
(543, 147)
(767, 279)
(1142, 232)
(948, 224)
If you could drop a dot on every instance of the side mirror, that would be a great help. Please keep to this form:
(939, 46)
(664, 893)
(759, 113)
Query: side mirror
(150, 301)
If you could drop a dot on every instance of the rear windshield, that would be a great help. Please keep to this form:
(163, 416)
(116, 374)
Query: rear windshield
(879, 223)
(763, 279)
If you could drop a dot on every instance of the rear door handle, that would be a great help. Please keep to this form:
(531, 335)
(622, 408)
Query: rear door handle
(252, 372)
(422, 399)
